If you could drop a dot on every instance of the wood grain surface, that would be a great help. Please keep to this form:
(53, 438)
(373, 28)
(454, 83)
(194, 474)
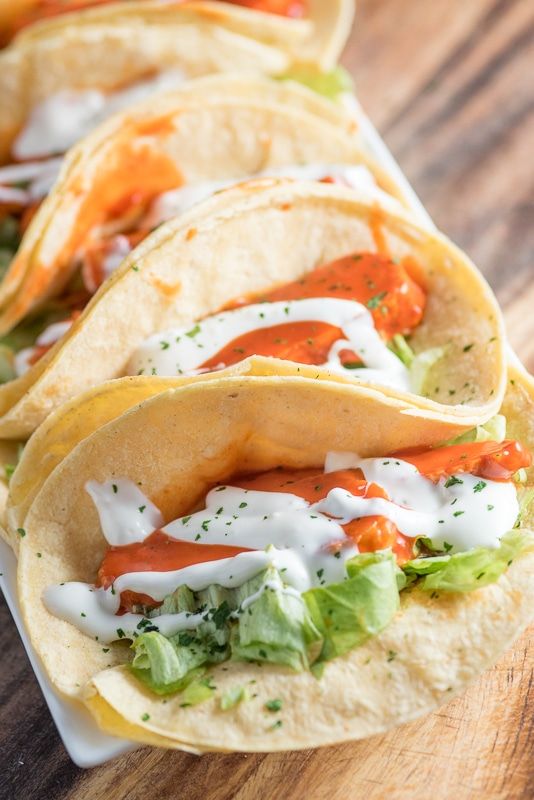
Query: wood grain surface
(449, 85)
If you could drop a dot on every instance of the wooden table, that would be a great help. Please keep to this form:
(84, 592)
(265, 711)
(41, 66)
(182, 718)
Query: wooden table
(447, 83)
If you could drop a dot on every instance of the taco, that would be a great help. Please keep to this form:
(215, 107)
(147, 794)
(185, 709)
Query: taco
(306, 30)
(348, 276)
(62, 75)
(137, 170)
(232, 565)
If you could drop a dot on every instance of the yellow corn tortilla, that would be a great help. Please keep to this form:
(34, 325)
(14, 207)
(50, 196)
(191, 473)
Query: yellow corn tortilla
(195, 264)
(114, 45)
(86, 413)
(318, 38)
(179, 443)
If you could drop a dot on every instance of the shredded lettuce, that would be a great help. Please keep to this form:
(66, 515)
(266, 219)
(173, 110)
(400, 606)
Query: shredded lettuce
(493, 430)
(329, 84)
(274, 626)
(465, 572)
(418, 365)
(402, 349)
(196, 692)
(348, 613)
(421, 365)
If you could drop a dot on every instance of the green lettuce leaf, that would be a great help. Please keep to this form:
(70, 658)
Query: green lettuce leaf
(493, 430)
(329, 84)
(259, 621)
(276, 628)
(465, 572)
(421, 365)
(348, 613)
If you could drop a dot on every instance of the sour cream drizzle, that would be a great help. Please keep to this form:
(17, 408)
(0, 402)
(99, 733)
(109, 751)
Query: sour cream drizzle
(64, 118)
(282, 530)
(177, 201)
(181, 351)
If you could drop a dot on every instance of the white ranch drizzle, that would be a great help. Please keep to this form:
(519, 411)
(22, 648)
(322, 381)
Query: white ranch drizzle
(52, 334)
(126, 515)
(67, 116)
(181, 351)
(282, 530)
(38, 177)
(177, 201)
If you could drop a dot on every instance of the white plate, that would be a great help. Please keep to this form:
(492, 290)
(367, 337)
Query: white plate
(83, 740)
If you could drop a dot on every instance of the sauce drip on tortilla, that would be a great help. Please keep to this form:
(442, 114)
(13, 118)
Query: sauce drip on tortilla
(394, 299)
(160, 552)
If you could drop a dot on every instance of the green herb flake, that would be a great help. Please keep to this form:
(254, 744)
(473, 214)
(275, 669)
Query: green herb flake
(273, 705)
(193, 332)
(375, 301)
(479, 486)
(452, 481)
(145, 717)
(141, 509)
(21, 532)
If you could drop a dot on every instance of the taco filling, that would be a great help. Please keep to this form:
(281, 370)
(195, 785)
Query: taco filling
(350, 316)
(106, 245)
(295, 567)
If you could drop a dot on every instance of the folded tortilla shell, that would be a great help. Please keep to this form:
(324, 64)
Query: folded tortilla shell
(179, 443)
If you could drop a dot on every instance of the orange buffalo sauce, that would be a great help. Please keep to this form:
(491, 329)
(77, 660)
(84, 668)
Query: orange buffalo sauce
(284, 8)
(497, 461)
(394, 299)
(159, 552)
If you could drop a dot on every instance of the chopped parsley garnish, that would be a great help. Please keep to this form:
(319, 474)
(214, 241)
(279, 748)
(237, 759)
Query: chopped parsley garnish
(447, 547)
(375, 301)
(115, 488)
(193, 332)
(479, 486)
(205, 524)
(391, 655)
(185, 520)
(120, 633)
(490, 507)
(273, 705)
(164, 345)
(145, 717)
(452, 481)
(21, 532)
(141, 509)
(468, 347)
(243, 505)
(277, 724)
(458, 513)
